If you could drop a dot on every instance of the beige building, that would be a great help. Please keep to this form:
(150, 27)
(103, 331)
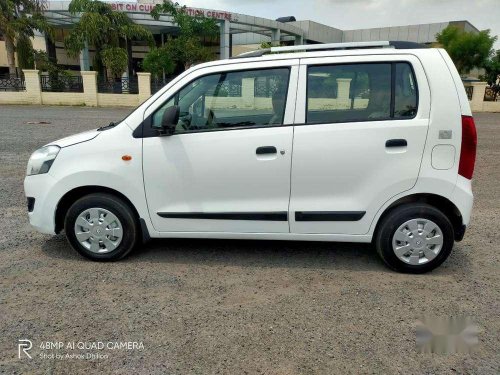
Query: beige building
(238, 33)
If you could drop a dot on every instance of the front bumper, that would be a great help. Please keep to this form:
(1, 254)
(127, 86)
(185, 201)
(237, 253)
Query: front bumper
(40, 189)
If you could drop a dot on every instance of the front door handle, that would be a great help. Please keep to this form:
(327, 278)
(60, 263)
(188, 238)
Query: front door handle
(396, 143)
(266, 150)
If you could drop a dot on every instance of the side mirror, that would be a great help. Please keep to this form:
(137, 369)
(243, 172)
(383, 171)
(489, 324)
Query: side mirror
(169, 120)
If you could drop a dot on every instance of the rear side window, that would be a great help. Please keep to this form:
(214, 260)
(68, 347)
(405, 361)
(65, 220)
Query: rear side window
(360, 92)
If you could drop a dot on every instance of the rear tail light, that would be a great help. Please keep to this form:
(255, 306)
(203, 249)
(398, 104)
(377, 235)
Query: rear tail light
(468, 149)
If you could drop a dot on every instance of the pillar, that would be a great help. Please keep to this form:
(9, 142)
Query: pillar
(89, 79)
(84, 58)
(248, 92)
(276, 37)
(50, 46)
(343, 90)
(130, 67)
(224, 40)
(299, 40)
(33, 87)
(478, 90)
(144, 80)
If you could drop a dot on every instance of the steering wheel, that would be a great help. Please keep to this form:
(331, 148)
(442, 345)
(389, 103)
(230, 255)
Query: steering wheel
(185, 120)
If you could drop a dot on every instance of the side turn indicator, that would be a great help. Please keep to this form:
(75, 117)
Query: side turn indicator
(126, 157)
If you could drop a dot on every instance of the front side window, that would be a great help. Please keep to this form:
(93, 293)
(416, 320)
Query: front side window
(360, 92)
(230, 100)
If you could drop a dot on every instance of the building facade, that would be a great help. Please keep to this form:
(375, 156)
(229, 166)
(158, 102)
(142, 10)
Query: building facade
(238, 33)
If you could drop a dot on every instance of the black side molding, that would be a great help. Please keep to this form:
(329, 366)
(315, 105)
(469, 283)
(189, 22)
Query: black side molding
(329, 215)
(258, 216)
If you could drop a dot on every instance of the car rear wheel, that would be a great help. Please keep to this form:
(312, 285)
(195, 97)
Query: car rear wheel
(101, 227)
(414, 238)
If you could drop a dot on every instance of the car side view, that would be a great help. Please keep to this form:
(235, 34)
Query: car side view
(352, 142)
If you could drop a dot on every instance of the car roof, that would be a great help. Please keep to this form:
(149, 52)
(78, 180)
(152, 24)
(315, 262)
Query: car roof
(322, 50)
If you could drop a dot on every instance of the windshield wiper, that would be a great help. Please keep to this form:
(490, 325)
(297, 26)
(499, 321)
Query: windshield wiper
(109, 126)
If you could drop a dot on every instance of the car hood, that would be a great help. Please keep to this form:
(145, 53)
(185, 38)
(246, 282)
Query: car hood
(76, 138)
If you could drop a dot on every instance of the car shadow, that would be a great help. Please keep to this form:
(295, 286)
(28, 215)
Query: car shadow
(257, 253)
(244, 253)
(261, 253)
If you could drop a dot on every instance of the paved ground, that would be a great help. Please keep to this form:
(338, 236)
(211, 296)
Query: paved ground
(234, 307)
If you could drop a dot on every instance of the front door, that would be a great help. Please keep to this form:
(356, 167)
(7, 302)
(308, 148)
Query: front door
(227, 167)
(361, 140)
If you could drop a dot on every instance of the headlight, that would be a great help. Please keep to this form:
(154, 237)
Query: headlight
(41, 160)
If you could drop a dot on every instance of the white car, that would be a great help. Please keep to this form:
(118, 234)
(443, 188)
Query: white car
(357, 142)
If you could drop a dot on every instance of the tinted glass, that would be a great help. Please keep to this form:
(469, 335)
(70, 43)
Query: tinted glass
(229, 100)
(340, 93)
(360, 92)
(405, 98)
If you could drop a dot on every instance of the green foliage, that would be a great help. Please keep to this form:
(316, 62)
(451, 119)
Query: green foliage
(267, 45)
(492, 76)
(196, 26)
(115, 61)
(20, 18)
(101, 27)
(25, 53)
(467, 50)
(187, 49)
(44, 64)
(56, 73)
(158, 61)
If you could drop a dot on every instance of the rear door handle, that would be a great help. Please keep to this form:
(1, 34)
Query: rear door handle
(266, 150)
(396, 143)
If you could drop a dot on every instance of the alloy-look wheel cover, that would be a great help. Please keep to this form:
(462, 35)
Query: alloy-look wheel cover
(98, 230)
(417, 241)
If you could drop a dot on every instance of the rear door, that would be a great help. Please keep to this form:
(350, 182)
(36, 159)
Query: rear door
(361, 128)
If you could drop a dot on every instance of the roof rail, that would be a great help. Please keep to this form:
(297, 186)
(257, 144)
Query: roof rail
(332, 46)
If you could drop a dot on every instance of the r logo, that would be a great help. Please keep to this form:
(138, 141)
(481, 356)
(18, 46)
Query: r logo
(24, 345)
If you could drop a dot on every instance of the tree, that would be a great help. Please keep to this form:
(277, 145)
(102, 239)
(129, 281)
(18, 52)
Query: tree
(158, 61)
(115, 61)
(57, 75)
(492, 76)
(20, 18)
(467, 50)
(187, 48)
(25, 53)
(102, 27)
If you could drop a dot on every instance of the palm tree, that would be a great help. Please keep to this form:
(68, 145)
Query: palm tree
(20, 18)
(102, 27)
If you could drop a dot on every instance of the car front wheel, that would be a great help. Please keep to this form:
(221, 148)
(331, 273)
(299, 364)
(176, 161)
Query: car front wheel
(101, 227)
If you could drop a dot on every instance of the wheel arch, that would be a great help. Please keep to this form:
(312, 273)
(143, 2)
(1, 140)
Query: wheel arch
(73, 195)
(445, 205)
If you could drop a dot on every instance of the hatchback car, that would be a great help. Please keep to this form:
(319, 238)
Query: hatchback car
(358, 142)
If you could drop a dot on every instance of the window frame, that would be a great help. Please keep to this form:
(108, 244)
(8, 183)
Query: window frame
(392, 64)
(147, 130)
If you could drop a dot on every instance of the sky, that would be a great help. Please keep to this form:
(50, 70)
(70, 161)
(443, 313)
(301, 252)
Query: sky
(357, 14)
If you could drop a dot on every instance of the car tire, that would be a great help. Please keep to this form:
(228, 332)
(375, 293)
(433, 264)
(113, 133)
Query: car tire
(414, 238)
(101, 227)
